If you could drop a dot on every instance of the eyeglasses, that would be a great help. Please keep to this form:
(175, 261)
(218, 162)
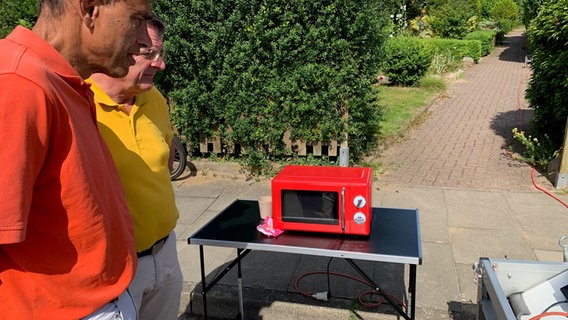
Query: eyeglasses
(152, 54)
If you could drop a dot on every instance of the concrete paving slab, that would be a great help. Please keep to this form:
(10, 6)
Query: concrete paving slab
(190, 210)
(437, 279)
(479, 209)
(470, 244)
(549, 256)
(543, 229)
(430, 199)
(466, 280)
(543, 219)
(431, 206)
(537, 198)
(190, 265)
(201, 220)
(199, 186)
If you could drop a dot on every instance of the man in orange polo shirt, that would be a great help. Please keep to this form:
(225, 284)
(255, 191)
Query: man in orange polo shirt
(66, 236)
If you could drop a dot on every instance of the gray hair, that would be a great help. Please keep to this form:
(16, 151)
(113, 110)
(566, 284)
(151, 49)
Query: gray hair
(56, 7)
(157, 23)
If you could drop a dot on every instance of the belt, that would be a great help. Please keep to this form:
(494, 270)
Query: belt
(155, 248)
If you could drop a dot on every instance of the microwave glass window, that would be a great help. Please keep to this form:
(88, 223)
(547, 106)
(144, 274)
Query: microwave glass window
(310, 206)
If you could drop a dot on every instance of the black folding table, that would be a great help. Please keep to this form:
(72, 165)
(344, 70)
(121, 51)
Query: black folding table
(395, 238)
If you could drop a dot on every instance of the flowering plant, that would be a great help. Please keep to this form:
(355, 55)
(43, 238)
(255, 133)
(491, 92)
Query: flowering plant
(537, 152)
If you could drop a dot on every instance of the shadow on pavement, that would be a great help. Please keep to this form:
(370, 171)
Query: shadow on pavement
(517, 48)
(462, 310)
(280, 285)
(504, 122)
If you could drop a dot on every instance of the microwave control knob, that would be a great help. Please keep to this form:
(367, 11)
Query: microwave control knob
(360, 218)
(359, 202)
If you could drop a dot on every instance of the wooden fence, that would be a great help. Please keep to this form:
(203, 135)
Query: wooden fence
(216, 146)
(321, 148)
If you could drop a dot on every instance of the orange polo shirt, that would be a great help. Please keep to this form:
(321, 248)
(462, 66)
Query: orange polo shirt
(66, 235)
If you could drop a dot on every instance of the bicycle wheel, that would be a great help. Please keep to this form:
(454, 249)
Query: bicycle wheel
(180, 159)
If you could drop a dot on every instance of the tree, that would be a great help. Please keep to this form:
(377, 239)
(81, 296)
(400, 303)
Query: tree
(505, 10)
(486, 7)
(530, 10)
(451, 19)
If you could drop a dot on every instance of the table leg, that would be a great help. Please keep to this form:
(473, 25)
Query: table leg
(412, 290)
(203, 286)
(206, 287)
(240, 284)
(379, 290)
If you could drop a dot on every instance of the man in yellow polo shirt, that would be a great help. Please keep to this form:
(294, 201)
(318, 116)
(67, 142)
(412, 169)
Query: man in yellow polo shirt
(133, 119)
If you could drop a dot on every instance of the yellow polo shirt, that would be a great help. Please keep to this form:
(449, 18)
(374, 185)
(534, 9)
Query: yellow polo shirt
(140, 146)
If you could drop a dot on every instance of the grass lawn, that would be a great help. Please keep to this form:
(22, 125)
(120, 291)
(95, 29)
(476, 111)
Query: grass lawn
(402, 106)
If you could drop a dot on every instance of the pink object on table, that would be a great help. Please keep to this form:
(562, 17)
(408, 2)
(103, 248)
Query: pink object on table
(267, 228)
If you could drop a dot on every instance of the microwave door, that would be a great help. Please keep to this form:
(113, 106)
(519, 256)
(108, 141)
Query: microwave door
(311, 206)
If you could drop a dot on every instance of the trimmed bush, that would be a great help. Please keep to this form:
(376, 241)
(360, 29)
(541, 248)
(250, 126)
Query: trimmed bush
(503, 27)
(458, 48)
(406, 60)
(506, 25)
(487, 38)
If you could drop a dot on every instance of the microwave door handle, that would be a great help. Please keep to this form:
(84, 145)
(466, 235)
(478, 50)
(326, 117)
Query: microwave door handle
(343, 209)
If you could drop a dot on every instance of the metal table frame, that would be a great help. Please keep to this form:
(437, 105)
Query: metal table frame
(395, 237)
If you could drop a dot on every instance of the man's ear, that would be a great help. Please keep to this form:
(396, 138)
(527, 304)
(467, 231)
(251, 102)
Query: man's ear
(89, 9)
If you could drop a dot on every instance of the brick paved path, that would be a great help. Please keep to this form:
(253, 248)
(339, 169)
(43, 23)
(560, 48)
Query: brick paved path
(461, 144)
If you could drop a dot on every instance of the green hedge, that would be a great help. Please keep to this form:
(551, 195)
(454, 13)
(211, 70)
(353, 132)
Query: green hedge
(487, 38)
(248, 70)
(458, 48)
(17, 12)
(547, 92)
(407, 59)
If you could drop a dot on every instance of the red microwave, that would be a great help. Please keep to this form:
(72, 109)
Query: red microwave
(322, 199)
